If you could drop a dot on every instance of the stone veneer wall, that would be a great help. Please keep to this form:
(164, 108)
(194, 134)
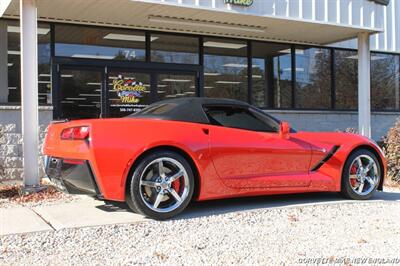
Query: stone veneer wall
(11, 138)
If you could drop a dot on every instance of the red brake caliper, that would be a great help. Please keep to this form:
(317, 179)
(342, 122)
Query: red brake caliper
(353, 171)
(176, 185)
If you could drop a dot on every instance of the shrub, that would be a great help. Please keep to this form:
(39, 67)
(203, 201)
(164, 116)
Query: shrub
(392, 152)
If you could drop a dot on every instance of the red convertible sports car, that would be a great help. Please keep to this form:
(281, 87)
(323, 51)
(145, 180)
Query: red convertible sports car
(175, 151)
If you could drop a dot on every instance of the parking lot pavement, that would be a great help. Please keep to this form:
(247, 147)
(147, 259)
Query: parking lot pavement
(87, 212)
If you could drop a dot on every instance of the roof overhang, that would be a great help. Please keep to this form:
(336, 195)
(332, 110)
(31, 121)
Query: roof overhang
(180, 18)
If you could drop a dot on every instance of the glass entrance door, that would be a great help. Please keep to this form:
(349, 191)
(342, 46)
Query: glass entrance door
(80, 93)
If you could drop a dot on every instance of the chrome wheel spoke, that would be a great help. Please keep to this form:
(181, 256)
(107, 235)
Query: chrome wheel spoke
(161, 172)
(360, 188)
(148, 183)
(370, 165)
(175, 176)
(370, 181)
(175, 194)
(360, 165)
(158, 200)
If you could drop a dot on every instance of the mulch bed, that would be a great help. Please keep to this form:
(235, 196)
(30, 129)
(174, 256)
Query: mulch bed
(13, 194)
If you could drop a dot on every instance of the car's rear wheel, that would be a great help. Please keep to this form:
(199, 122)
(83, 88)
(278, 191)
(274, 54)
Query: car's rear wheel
(361, 175)
(161, 186)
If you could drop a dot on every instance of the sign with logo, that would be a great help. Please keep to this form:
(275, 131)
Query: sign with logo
(129, 91)
(239, 2)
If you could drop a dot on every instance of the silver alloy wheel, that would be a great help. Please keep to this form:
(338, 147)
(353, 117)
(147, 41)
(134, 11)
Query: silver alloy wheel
(156, 185)
(364, 175)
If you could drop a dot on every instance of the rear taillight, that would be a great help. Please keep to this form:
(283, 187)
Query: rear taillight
(75, 133)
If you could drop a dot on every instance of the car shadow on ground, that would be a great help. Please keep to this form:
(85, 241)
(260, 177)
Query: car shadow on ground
(216, 207)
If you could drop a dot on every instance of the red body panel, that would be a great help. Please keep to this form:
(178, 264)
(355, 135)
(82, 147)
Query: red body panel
(230, 162)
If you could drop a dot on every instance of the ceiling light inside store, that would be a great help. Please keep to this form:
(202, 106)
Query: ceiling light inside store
(44, 75)
(257, 76)
(206, 24)
(127, 37)
(12, 88)
(373, 57)
(13, 52)
(212, 74)
(92, 56)
(239, 65)
(224, 45)
(93, 83)
(76, 99)
(66, 76)
(89, 94)
(288, 51)
(176, 80)
(16, 29)
(10, 64)
(228, 82)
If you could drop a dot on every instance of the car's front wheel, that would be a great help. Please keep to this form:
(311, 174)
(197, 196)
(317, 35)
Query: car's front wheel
(161, 186)
(361, 175)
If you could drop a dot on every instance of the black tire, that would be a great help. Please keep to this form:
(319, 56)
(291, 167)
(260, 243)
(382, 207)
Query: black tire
(346, 188)
(136, 201)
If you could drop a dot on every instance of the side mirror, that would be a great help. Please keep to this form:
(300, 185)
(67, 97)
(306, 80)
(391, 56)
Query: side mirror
(284, 130)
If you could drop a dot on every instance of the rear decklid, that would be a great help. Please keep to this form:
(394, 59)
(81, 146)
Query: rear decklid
(67, 146)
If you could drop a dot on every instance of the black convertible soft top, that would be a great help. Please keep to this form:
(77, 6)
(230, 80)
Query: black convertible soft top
(189, 109)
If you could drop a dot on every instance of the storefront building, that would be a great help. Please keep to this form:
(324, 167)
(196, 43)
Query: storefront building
(297, 59)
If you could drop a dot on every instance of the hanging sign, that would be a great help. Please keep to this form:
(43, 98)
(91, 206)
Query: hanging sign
(239, 2)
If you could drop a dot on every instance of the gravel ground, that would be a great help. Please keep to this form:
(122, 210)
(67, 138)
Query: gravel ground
(262, 237)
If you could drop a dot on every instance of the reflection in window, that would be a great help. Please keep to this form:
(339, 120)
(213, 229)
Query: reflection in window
(385, 91)
(174, 49)
(266, 78)
(175, 86)
(346, 79)
(10, 77)
(99, 43)
(225, 69)
(283, 80)
(80, 94)
(313, 78)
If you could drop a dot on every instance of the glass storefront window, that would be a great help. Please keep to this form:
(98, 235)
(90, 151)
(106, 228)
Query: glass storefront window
(283, 80)
(128, 92)
(313, 78)
(385, 89)
(80, 93)
(99, 43)
(266, 78)
(175, 86)
(177, 49)
(10, 77)
(225, 68)
(346, 79)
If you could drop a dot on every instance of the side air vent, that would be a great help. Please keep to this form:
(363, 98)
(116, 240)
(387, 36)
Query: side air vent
(325, 159)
